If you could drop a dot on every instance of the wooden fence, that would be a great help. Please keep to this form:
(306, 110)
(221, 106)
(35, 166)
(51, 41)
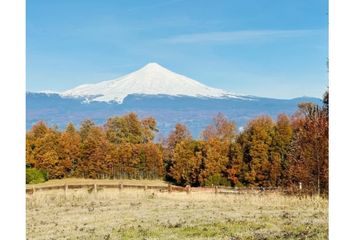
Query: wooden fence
(169, 188)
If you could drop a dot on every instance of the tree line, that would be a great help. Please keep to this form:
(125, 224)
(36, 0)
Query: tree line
(284, 152)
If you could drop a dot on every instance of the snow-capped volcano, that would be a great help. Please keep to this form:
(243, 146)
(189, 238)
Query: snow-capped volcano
(152, 79)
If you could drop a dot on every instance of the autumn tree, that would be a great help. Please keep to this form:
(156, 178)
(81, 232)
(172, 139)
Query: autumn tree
(38, 131)
(70, 149)
(47, 154)
(150, 163)
(309, 153)
(221, 129)
(256, 140)
(214, 161)
(279, 149)
(124, 163)
(93, 150)
(129, 128)
(201, 162)
(179, 134)
(85, 128)
(218, 163)
(235, 164)
(149, 126)
(186, 161)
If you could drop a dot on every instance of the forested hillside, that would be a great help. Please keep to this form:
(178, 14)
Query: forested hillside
(283, 152)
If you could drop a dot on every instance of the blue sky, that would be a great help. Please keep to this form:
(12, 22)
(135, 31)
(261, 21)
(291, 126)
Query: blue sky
(266, 48)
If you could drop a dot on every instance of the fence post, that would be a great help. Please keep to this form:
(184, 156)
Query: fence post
(95, 188)
(33, 190)
(66, 190)
(188, 189)
(216, 189)
(169, 188)
(120, 186)
(145, 187)
(300, 189)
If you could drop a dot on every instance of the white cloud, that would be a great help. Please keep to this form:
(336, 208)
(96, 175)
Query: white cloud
(240, 36)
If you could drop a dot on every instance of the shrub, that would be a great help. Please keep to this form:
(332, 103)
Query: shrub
(34, 175)
(216, 180)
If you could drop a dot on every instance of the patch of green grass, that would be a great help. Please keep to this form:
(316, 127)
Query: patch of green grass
(226, 230)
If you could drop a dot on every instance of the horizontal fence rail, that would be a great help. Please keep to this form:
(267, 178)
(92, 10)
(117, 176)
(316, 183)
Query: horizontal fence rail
(169, 188)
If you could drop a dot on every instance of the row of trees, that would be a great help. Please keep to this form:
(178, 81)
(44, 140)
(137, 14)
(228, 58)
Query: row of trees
(266, 153)
(257, 156)
(121, 148)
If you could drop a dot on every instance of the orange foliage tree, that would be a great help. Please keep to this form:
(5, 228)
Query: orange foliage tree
(221, 128)
(129, 128)
(179, 134)
(150, 161)
(214, 162)
(93, 149)
(44, 150)
(186, 161)
(279, 149)
(70, 144)
(235, 164)
(256, 141)
(309, 153)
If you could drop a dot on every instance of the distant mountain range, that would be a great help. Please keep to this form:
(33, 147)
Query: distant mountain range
(153, 91)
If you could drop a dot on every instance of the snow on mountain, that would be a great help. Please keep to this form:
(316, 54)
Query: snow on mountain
(47, 91)
(152, 79)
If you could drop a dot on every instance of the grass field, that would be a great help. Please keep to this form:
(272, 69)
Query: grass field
(139, 214)
(100, 181)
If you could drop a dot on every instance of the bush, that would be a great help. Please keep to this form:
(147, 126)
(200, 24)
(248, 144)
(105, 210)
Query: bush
(216, 180)
(34, 175)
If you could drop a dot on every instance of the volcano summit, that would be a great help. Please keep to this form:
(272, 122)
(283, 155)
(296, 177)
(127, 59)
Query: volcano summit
(152, 79)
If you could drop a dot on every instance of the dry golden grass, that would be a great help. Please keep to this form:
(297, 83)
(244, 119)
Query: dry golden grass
(139, 214)
(100, 181)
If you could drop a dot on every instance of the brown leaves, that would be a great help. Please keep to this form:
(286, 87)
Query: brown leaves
(179, 134)
(221, 128)
(309, 149)
(129, 128)
(186, 162)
